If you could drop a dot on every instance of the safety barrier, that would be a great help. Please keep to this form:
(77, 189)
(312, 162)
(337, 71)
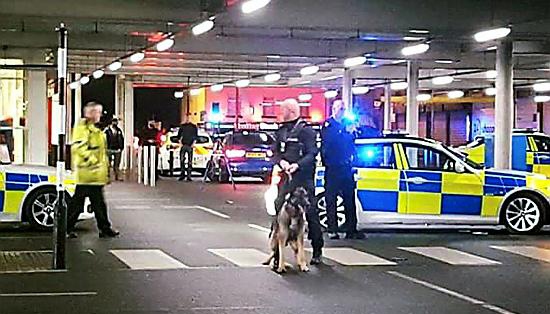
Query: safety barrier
(146, 165)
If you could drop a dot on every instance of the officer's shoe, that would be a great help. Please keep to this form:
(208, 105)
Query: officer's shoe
(355, 235)
(72, 235)
(109, 233)
(316, 260)
(333, 236)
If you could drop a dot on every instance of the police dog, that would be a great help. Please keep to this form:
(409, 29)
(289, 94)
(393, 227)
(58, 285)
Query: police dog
(289, 228)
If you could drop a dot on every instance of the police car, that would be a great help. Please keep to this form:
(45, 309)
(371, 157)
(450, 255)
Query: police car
(28, 194)
(530, 151)
(404, 179)
(169, 156)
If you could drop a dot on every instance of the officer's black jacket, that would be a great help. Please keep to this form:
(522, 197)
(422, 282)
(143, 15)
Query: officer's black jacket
(337, 144)
(303, 151)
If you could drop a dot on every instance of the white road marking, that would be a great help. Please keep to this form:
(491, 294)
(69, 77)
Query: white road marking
(153, 200)
(450, 256)
(261, 228)
(242, 257)
(133, 206)
(177, 206)
(527, 251)
(141, 259)
(451, 293)
(27, 252)
(353, 257)
(213, 212)
(37, 271)
(49, 294)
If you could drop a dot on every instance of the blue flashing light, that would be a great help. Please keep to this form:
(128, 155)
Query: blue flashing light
(215, 117)
(350, 116)
(367, 153)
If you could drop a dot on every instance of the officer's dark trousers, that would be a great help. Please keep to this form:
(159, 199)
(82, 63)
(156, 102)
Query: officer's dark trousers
(95, 194)
(339, 180)
(315, 235)
(186, 161)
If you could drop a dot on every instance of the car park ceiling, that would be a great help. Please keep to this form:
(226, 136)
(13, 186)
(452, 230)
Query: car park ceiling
(285, 36)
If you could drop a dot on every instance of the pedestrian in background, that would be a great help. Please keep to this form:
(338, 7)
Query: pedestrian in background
(295, 154)
(337, 154)
(115, 145)
(149, 137)
(187, 135)
(90, 163)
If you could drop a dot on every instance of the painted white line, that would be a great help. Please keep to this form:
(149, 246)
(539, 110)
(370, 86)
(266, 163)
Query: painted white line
(177, 206)
(527, 251)
(40, 271)
(27, 252)
(133, 206)
(353, 257)
(49, 294)
(450, 256)
(226, 308)
(213, 212)
(242, 257)
(154, 200)
(261, 228)
(451, 293)
(147, 259)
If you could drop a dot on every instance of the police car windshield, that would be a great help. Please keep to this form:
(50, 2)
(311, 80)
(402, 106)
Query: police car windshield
(251, 139)
(464, 158)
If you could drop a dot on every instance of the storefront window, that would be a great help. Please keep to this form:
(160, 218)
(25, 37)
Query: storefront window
(12, 110)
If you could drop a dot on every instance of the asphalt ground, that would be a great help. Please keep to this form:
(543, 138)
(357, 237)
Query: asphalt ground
(203, 243)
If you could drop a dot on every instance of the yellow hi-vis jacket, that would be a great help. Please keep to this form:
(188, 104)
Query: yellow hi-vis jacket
(89, 154)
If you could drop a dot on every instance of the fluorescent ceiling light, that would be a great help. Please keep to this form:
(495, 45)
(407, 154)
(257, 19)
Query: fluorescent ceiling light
(273, 77)
(544, 69)
(444, 61)
(399, 86)
(492, 48)
(195, 91)
(84, 80)
(303, 82)
(242, 83)
(330, 78)
(137, 57)
(216, 88)
(360, 90)
(415, 49)
(542, 87)
(98, 74)
(419, 31)
(331, 94)
(305, 97)
(491, 74)
(542, 98)
(413, 38)
(74, 85)
(115, 66)
(455, 94)
(202, 27)
(355, 61)
(442, 80)
(178, 94)
(423, 97)
(165, 44)
(309, 70)
(253, 5)
(274, 57)
(490, 91)
(492, 34)
(304, 104)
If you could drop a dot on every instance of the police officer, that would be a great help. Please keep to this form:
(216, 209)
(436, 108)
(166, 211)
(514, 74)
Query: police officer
(295, 154)
(337, 153)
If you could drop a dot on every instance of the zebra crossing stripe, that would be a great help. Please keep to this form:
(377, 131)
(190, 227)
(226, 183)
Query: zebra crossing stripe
(141, 259)
(242, 257)
(533, 252)
(352, 257)
(450, 256)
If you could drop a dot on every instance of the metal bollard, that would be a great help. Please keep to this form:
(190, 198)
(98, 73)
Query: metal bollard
(145, 165)
(140, 163)
(153, 164)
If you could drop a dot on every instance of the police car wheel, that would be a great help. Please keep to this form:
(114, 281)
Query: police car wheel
(524, 213)
(322, 207)
(39, 208)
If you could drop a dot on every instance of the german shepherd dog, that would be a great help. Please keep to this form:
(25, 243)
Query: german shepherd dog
(289, 228)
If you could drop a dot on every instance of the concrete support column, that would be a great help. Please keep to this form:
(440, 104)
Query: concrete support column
(387, 107)
(412, 92)
(347, 96)
(37, 118)
(504, 105)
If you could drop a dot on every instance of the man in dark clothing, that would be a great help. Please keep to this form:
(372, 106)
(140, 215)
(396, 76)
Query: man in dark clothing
(148, 138)
(337, 154)
(187, 135)
(115, 145)
(295, 154)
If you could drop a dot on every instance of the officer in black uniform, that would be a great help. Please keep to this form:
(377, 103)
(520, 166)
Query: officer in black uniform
(295, 154)
(337, 153)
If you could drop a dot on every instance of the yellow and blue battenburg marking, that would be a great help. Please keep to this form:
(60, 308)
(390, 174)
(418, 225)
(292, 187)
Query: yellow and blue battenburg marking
(13, 187)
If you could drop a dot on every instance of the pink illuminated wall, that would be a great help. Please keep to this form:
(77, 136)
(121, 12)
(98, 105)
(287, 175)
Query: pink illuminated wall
(252, 99)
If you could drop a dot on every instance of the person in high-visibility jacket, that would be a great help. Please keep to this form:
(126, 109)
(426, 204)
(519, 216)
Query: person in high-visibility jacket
(91, 166)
